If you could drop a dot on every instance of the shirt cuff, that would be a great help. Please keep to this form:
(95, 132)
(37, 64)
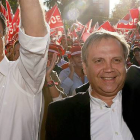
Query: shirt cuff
(57, 98)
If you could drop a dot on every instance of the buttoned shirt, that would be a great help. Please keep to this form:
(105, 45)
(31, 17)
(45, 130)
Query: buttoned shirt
(69, 85)
(21, 84)
(106, 123)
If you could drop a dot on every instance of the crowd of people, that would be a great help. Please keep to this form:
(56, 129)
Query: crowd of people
(72, 91)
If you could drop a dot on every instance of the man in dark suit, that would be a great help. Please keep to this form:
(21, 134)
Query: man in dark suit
(96, 113)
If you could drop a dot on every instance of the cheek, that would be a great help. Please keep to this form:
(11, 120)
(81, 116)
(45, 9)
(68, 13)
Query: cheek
(92, 71)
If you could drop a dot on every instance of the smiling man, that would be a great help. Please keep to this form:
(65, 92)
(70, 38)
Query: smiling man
(96, 114)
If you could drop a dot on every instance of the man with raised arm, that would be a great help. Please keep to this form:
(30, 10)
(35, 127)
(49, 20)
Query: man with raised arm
(21, 81)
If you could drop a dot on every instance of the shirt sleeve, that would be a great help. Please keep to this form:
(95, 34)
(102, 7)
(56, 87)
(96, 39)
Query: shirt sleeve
(66, 82)
(32, 61)
(57, 98)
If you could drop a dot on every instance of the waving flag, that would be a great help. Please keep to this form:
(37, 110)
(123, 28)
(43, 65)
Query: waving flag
(53, 17)
(107, 26)
(88, 25)
(85, 34)
(129, 21)
(94, 27)
(9, 23)
(15, 24)
(3, 11)
(79, 25)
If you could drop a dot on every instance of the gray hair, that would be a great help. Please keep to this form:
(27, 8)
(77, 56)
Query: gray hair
(98, 36)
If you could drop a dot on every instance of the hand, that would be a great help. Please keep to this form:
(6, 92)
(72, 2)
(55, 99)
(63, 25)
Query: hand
(71, 66)
(51, 65)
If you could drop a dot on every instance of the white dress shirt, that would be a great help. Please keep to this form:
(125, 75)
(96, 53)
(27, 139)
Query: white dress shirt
(21, 85)
(106, 123)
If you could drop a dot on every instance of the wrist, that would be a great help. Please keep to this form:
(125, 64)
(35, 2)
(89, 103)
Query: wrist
(50, 83)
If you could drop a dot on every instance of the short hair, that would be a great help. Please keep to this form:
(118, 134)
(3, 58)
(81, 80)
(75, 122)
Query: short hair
(4, 24)
(136, 48)
(98, 36)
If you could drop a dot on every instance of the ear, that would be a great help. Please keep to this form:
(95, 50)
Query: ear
(84, 68)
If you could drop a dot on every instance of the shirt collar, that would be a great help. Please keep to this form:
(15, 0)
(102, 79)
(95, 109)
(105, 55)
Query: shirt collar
(4, 64)
(102, 103)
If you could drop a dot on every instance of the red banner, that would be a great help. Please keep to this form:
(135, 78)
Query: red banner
(130, 20)
(53, 17)
(107, 26)
(88, 25)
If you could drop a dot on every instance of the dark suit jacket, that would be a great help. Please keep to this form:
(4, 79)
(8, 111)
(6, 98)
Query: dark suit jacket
(69, 119)
(131, 101)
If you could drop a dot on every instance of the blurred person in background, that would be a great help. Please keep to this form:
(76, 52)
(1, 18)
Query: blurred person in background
(73, 76)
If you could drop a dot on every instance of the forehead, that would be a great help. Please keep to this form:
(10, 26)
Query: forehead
(105, 46)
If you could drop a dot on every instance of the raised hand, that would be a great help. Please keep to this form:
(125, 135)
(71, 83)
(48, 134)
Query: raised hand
(51, 65)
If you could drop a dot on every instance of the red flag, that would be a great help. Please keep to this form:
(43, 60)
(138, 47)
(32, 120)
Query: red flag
(53, 17)
(15, 23)
(9, 11)
(88, 25)
(130, 20)
(10, 18)
(107, 26)
(74, 34)
(95, 27)
(85, 34)
(79, 25)
(3, 11)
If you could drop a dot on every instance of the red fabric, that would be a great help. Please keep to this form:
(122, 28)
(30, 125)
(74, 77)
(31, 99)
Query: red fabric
(3, 11)
(64, 66)
(74, 49)
(94, 27)
(15, 23)
(85, 34)
(10, 18)
(53, 17)
(130, 20)
(107, 26)
(58, 48)
(79, 25)
(88, 25)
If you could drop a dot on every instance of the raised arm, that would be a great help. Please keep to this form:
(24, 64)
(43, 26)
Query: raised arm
(32, 19)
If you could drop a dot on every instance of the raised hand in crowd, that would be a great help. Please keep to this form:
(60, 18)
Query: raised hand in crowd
(71, 67)
(50, 66)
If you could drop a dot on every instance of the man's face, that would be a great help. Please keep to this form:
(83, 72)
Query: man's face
(105, 67)
(137, 52)
(76, 59)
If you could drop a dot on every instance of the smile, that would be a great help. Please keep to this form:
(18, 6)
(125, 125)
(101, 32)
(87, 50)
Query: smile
(108, 78)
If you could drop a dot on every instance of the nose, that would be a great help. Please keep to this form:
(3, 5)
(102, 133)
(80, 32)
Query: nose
(108, 67)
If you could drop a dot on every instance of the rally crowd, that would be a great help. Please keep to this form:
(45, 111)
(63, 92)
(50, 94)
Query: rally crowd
(73, 91)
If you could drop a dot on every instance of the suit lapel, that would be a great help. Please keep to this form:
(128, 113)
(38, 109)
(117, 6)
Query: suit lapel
(82, 117)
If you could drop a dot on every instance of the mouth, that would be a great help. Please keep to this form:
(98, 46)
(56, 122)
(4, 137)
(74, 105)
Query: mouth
(108, 78)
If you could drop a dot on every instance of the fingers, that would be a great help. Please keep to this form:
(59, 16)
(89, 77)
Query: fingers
(54, 59)
(48, 63)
